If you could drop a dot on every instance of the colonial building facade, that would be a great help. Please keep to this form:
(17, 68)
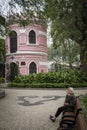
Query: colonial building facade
(27, 47)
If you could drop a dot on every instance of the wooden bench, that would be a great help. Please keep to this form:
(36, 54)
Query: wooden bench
(80, 122)
(73, 119)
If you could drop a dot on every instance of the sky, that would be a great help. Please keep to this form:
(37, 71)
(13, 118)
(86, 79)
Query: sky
(4, 7)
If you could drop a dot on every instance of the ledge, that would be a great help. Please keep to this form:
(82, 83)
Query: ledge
(2, 93)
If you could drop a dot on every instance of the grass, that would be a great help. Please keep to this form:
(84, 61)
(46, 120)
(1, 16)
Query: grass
(84, 106)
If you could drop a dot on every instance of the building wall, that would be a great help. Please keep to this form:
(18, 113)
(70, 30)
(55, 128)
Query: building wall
(27, 53)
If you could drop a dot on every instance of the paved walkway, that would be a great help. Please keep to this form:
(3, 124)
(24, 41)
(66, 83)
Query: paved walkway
(29, 109)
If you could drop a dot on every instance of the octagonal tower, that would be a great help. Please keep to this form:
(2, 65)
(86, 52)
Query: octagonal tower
(27, 47)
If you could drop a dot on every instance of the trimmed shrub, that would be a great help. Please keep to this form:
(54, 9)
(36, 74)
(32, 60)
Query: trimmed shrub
(65, 76)
(46, 85)
(62, 78)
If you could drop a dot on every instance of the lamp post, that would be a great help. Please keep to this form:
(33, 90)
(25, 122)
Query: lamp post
(5, 73)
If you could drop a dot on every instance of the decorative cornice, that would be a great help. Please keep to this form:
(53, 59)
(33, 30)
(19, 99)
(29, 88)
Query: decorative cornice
(26, 52)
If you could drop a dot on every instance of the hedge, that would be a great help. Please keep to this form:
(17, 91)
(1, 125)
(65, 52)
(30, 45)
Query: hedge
(67, 77)
(47, 85)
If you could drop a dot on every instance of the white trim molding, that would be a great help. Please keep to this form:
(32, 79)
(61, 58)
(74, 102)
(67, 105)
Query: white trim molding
(42, 33)
(22, 30)
(43, 63)
(27, 52)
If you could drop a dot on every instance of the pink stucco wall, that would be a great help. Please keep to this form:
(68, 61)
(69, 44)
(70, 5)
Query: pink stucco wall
(27, 52)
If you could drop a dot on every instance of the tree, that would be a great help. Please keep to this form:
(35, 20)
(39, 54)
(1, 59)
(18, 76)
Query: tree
(2, 57)
(28, 12)
(69, 21)
(2, 50)
(2, 44)
(55, 55)
(70, 53)
(67, 53)
(2, 41)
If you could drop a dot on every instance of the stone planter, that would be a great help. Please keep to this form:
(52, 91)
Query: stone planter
(2, 93)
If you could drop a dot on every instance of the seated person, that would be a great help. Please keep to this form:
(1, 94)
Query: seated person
(70, 101)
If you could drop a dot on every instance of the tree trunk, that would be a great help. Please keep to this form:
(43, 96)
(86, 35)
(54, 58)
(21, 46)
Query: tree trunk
(83, 58)
(70, 66)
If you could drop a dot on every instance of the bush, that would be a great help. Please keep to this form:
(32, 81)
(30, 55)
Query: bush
(64, 76)
(2, 80)
(46, 85)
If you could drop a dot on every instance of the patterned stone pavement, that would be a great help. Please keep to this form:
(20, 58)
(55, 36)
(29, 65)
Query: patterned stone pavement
(29, 109)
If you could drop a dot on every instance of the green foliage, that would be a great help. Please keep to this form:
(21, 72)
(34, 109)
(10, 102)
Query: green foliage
(2, 25)
(46, 85)
(60, 79)
(69, 22)
(62, 76)
(85, 101)
(66, 17)
(2, 50)
(67, 52)
(25, 79)
(2, 20)
(84, 106)
(2, 80)
(30, 12)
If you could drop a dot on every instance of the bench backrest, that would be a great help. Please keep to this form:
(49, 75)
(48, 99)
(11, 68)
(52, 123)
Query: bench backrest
(80, 122)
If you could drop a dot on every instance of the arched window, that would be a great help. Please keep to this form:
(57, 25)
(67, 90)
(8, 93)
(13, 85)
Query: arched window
(13, 42)
(32, 37)
(32, 68)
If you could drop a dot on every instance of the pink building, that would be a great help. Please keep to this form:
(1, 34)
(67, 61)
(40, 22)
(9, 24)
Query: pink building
(27, 47)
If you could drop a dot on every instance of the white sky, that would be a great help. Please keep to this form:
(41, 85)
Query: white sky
(49, 39)
(4, 7)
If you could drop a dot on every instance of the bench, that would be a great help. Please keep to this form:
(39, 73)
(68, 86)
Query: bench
(80, 122)
(73, 119)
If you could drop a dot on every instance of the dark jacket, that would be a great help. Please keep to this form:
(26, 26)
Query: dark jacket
(71, 100)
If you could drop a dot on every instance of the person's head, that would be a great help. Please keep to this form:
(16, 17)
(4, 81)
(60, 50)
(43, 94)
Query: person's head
(70, 90)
